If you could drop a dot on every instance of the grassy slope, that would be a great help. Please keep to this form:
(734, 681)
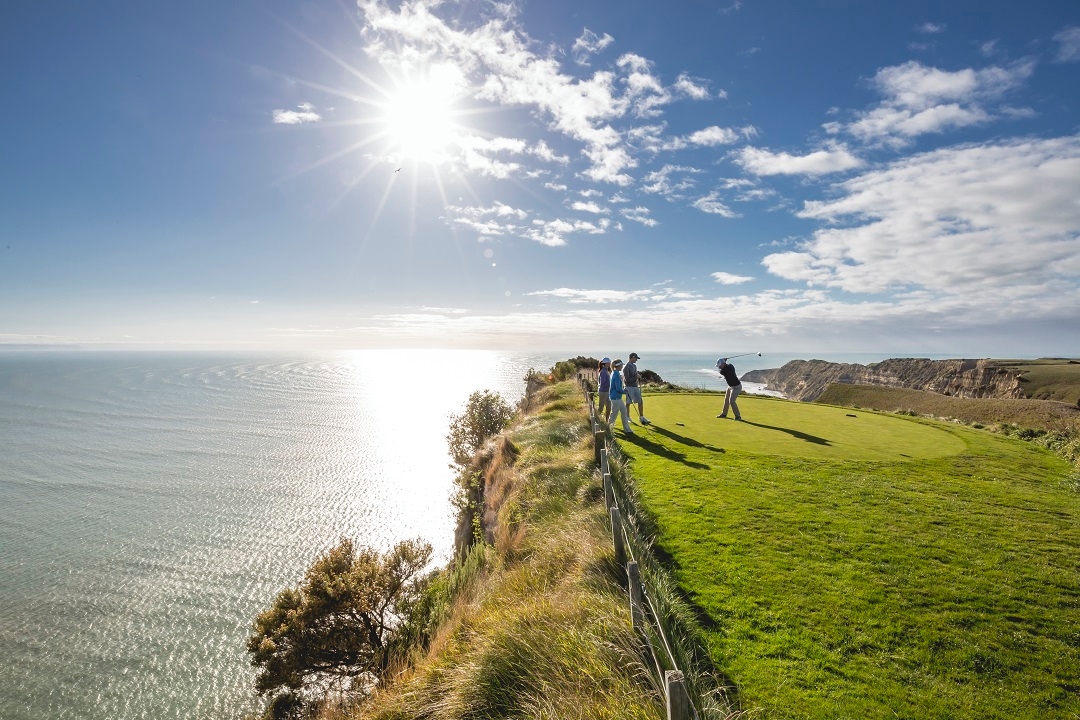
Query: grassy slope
(846, 581)
(542, 629)
(1048, 378)
(1041, 414)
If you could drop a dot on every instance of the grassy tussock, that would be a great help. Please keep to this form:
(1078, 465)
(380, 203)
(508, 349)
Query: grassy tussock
(534, 624)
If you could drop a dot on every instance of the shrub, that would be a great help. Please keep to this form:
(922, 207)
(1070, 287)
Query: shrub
(332, 633)
(566, 369)
(485, 415)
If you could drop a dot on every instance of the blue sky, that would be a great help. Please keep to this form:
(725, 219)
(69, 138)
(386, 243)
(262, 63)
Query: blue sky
(836, 176)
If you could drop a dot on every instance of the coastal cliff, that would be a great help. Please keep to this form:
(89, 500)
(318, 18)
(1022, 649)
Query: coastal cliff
(805, 380)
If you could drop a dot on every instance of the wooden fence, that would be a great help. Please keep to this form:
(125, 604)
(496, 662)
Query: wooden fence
(630, 551)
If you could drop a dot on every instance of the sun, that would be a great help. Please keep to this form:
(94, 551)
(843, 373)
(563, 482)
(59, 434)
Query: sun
(419, 118)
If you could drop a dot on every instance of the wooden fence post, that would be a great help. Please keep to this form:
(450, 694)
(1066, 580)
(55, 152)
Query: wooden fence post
(617, 537)
(678, 701)
(609, 491)
(637, 614)
(598, 445)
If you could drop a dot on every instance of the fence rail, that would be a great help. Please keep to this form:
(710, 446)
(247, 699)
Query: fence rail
(630, 548)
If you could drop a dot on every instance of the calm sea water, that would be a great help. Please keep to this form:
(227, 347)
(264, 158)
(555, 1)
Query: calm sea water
(151, 504)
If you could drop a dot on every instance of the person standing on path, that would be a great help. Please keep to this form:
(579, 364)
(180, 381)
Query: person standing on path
(633, 391)
(618, 407)
(734, 388)
(603, 387)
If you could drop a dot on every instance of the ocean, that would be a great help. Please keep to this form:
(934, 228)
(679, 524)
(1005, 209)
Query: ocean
(151, 504)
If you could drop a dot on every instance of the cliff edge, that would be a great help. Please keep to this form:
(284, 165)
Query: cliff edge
(805, 380)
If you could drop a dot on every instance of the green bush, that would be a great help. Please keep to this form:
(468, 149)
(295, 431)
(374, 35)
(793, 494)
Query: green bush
(333, 633)
(485, 415)
(567, 369)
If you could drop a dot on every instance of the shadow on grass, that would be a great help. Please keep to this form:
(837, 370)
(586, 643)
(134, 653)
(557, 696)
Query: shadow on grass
(663, 451)
(794, 433)
(685, 440)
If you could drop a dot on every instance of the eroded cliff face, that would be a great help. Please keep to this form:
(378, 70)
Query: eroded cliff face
(805, 380)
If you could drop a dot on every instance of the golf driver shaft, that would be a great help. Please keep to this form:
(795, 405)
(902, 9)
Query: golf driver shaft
(730, 357)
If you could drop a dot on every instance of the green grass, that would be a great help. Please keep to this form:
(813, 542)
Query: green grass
(778, 427)
(841, 579)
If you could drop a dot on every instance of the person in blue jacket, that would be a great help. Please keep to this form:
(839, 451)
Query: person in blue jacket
(603, 387)
(618, 407)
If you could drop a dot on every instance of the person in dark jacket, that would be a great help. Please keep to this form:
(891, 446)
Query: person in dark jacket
(734, 388)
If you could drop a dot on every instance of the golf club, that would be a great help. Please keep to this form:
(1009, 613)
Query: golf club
(730, 357)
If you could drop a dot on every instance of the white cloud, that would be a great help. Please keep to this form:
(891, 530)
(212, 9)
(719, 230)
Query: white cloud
(557, 187)
(593, 296)
(920, 99)
(496, 220)
(589, 207)
(998, 222)
(542, 151)
(711, 204)
(644, 90)
(714, 135)
(929, 28)
(833, 158)
(639, 214)
(554, 232)
(693, 88)
(1069, 44)
(728, 279)
(306, 114)
(660, 181)
(589, 44)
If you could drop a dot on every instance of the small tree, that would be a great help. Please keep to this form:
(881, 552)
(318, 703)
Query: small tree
(332, 632)
(486, 414)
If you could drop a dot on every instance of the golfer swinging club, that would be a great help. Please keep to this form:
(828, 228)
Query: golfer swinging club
(734, 388)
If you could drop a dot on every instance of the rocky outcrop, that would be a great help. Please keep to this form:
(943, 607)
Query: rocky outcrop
(806, 379)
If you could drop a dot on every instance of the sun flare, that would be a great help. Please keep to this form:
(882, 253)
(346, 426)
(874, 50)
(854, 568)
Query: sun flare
(419, 119)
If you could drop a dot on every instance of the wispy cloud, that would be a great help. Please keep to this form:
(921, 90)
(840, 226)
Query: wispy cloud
(639, 214)
(929, 28)
(555, 232)
(725, 278)
(493, 221)
(599, 297)
(1068, 44)
(711, 204)
(670, 180)
(306, 114)
(831, 159)
(589, 44)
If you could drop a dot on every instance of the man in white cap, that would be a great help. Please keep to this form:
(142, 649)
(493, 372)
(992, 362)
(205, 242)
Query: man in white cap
(734, 387)
(633, 391)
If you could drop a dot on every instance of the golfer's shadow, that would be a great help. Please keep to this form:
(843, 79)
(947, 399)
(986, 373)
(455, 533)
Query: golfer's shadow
(665, 452)
(794, 433)
(685, 440)
(656, 448)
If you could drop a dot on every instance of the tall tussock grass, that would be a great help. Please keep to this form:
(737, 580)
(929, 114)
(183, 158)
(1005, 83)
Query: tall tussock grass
(530, 620)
